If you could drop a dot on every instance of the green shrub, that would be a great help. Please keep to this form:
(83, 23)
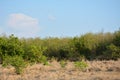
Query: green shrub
(88, 46)
(92, 45)
(34, 53)
(16, 61)
(11, 46)
(44, 60)
(57, 48)
(116, 40)
(14, 46)
(112, 52)
(81, 65)
(63, 63)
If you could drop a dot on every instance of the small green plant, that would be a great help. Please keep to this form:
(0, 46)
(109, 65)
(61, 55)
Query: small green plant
(63, 63)
(16, 61)
(81, 65)
(44, 60)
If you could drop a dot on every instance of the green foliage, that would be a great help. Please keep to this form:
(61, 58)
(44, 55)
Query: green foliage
(10, 46)
(112, 52)
(3, 47)
(34, 53)
(81, 65)
(14, 46)
(16, 61)
(116, 40)
(57, 48)
(63, 63)
(44, 60)
(92, 45)
(35, 50)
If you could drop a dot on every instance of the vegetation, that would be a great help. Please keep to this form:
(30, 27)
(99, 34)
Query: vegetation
(16, 61)
(63, 63)
(81, 65)
(16, 52)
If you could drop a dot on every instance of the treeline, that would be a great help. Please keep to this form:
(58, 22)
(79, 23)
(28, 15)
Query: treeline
(90, 46)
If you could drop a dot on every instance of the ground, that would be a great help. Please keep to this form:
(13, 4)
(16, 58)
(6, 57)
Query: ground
(96, 70)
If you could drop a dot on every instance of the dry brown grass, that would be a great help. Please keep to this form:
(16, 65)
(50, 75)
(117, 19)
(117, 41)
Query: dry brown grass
(97, 70)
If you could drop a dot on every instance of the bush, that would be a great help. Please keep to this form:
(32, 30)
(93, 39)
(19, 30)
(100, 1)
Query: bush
(116, 40)
(112, 52)
(10, 46)
(81, 65)
(34, 53)
(92, 45)
(63, 63)
(16, 61)
(85, 44)
(57, 48)
(44, 60)
(14, 46)
(89, 46)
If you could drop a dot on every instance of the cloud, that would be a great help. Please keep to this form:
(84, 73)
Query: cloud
(51, 17)
(23, 25)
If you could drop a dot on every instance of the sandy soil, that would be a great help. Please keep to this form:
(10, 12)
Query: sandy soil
(97, 70)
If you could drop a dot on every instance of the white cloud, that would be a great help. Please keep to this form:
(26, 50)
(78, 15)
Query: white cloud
(23, 25)
(51, 17)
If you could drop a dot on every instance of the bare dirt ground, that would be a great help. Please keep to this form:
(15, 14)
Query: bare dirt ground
(97, 70)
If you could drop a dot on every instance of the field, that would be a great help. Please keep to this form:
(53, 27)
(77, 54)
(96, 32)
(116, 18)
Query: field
(96, 70)
(88, 57)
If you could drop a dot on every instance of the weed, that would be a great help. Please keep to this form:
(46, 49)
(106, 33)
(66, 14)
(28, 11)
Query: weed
(44, 60)
(63, 63)
(81, 65)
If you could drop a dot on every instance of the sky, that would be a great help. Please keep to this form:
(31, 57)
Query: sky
(58, 18)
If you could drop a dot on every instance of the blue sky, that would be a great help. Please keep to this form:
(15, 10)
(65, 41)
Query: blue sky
(58, 18)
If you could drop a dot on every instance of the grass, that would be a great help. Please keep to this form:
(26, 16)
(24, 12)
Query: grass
(63, 63)
(55, 72)
(81, 65)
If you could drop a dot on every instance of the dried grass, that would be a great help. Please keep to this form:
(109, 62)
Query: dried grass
(97, 70)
